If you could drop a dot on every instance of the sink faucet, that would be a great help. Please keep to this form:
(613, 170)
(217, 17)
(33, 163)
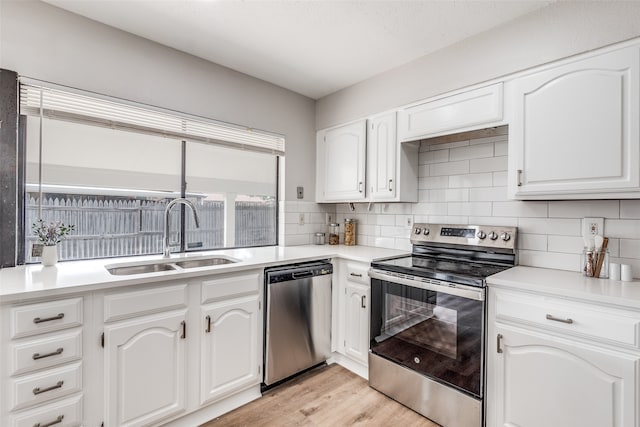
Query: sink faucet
(166, 249)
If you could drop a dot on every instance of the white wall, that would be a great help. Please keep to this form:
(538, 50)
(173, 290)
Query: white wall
(43, 42)
(560, 30)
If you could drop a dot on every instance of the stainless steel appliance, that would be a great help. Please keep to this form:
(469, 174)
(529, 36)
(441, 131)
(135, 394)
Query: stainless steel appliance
(428, 319)
(297, 318)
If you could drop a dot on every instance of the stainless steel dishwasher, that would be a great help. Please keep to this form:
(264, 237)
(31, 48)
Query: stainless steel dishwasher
(297, 318)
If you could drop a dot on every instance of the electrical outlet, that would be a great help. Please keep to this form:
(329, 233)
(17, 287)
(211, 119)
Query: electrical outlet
(301, 219)
(328, 218)
(409, 221)
(592, 227)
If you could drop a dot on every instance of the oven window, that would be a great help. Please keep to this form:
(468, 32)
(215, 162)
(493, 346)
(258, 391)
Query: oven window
(437, 334)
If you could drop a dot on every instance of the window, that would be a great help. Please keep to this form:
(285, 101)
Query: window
(112, 180)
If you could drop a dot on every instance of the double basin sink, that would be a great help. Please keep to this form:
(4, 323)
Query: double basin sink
(168, 265)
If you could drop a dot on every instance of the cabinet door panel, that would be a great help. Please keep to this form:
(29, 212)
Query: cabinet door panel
(343, 151)
(575, 127)
(145, 369)
(357, 321)
(542, 381)
(230, 347)
(382, 147)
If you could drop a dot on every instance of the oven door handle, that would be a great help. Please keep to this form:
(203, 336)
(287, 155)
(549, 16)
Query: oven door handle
(476, 294)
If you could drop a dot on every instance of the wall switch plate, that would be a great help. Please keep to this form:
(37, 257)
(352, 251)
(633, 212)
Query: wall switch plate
(328, 218)
(300, 192)
(592, 227)
(301, 219)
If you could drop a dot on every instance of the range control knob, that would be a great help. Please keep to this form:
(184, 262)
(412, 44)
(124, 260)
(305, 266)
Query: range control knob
(417, 230)
(426, 232)
(481, 235)
(505, 236)
(493, 235)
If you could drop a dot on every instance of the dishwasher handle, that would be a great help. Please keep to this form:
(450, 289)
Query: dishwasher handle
(302, 274)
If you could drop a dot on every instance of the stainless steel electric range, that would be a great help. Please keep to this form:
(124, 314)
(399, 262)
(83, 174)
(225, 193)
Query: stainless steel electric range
(428, 319)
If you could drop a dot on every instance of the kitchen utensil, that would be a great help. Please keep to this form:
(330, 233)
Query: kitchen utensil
(602, 256)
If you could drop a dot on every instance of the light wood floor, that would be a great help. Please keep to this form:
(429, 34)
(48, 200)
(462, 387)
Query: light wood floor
(326, 396)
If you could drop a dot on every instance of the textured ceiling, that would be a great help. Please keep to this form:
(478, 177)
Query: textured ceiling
(310, 47)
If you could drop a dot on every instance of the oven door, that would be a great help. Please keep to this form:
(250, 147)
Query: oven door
(430, 327)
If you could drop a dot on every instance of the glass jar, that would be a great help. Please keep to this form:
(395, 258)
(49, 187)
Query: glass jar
(319, 239)
(334, 236)
(349, 231)
(594, 263)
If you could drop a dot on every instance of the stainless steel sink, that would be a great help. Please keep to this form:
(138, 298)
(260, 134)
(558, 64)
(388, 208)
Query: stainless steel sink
(126, 270)
(140, 269)
(204, 262)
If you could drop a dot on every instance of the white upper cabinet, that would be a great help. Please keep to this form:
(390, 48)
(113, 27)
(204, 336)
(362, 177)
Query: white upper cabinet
(340, 168)
(381, 157)
(470, 110)
(573, 130)
(343, 154)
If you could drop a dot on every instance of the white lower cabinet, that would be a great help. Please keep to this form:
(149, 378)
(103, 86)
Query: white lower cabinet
(541, 376)
(230, 354)
(353, 296)
(145, 369)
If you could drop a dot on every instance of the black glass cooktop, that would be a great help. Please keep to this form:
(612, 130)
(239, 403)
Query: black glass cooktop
(463, 272)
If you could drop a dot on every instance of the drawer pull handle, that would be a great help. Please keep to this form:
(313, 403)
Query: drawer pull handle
(183, 325)
(39, 390)
(557, 319)
(499, 343)
(356, 274)
(56, 421)
(208, 319)
(37, 356)
(48, 319)
(363, 301)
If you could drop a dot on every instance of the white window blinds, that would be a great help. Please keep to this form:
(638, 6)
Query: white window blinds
(58, 104)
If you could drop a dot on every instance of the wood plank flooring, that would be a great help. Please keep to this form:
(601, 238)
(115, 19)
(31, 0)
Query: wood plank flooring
(327, 396)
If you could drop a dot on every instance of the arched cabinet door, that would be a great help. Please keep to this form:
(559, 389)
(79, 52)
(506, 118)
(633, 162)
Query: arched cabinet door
(229, 359)
(573, 128)
(145, 369)
(542, 381)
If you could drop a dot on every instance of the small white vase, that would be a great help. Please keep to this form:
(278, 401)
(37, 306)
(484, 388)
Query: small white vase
(49, 255)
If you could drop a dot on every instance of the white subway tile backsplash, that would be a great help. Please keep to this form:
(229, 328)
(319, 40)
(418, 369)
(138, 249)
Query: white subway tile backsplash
(622, 228)
(501, 148)
(488, 194)
(565, 244)
(429, 157)
(446, 145)
(500, 179)
(555, 260)
(584, 208)
(430, 208)
(396, 208)
(430, 182)
(491, 220)
(471, 152)
(389, 231)
(469, 208)
(449, 195)
(489, 164)
(629, 248)
(385, 242)
(449, 168)
(490, 140)
(629, 209)
(534, 242)
(470, 180)
(560, 227)
(520, 209)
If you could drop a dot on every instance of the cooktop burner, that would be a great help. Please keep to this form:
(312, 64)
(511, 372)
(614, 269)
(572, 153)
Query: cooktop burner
(463, 254)
(462, 272)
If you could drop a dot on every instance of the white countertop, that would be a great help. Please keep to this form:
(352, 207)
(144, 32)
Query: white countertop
(37, 281)
(569, 284)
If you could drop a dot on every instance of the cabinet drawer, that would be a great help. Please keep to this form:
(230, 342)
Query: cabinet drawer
(146, 301)
(604, 323)
(44, 352)
(45, 317)
(46, 385)
(64, 413)
(236, 285)
(357, 273)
